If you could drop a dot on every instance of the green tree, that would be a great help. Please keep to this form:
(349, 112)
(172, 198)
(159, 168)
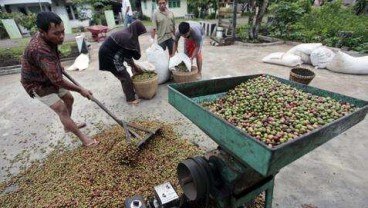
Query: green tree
(97, 6)
(200, 8)
(257, 10)
(286, 13)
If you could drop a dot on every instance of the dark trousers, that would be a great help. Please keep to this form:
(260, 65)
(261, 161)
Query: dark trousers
(169, 43)
(126, 83)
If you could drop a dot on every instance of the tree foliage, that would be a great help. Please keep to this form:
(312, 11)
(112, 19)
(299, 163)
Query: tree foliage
(97, 6)
(257, 10)
(286, 13)
(200, 8)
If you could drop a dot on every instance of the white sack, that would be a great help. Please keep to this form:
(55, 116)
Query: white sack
(321, 56)
(284, 59)
(81, 63)
(177, 59)
(303, 56)
(345, 63)
(160, 59)
(145, 65)
(304, 50)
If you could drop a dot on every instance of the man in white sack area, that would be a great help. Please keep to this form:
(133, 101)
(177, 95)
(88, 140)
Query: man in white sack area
(193, 35)
(127, 12)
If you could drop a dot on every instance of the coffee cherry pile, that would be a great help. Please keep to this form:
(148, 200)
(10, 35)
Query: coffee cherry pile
(275, 113)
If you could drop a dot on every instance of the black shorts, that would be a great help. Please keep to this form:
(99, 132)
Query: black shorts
(169, 43)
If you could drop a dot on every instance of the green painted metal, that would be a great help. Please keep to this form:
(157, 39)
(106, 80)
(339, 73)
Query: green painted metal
(186, 98)
(267, 186)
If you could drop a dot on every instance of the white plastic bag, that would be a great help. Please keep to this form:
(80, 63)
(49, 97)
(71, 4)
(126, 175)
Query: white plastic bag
(160, 59)
(321, 56)
(344, 63)
(145, 65)
(81, 63)
(177, 59)
(284, 59)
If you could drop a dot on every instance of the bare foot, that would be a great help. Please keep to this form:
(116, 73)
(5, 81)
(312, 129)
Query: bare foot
(92, 144)
(199, 76)
(134, 102)
(79, 125)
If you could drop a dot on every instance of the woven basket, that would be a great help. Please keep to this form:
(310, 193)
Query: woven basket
(146, 89)
(301, 75)
(180, 77)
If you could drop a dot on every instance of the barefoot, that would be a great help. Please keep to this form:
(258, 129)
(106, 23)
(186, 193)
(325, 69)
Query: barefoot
(79, 125)
(134, 102)
(199, 76)
(92, 144)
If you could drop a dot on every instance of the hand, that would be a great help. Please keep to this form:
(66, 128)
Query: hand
(86, 93)
(137, 70)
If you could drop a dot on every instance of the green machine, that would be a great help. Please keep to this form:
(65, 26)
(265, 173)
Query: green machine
(243, 167)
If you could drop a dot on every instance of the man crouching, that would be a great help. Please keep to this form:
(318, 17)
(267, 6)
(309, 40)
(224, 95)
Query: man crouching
(42, 77)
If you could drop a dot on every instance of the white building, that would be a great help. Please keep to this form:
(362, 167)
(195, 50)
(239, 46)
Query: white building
(178, 7)
(65, 7)
(60, 7)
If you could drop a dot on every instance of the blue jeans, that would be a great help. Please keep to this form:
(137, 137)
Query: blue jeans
(127, 20)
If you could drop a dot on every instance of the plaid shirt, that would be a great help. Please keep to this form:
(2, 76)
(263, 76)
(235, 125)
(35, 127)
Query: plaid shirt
(41, 67)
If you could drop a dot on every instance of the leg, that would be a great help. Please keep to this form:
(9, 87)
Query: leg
(61, 110)
(163, 45)
(170, 46)
(122, 74)
(199, 59)
(199, 63)
(127, 84)
(68, 100)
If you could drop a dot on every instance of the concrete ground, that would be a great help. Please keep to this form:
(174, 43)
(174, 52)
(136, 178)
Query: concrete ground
(333, 175)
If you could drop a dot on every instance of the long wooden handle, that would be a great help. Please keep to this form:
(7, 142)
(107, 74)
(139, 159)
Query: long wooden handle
(122, 123)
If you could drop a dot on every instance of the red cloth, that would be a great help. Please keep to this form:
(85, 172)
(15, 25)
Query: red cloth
(190, 45)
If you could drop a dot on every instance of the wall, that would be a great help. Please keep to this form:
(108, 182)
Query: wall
(178, 12)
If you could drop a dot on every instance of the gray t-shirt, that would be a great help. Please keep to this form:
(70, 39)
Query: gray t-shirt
(196, 32)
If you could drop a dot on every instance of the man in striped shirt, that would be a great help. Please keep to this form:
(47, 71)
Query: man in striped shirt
(41, 74)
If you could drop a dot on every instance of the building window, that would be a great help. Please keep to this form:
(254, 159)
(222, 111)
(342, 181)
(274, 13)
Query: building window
(72, 12)
(174, 3)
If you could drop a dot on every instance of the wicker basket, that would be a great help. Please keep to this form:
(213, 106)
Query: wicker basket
(146, 89)
(301, 75)
(180, 77)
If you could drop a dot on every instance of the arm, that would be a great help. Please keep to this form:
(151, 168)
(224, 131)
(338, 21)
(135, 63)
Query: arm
(135, 69)
(154, 26)
(175, 46)
(177, 37)
(72, 87)
(173, 21)
(153, 33)
(53, 70)
(195, 53)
